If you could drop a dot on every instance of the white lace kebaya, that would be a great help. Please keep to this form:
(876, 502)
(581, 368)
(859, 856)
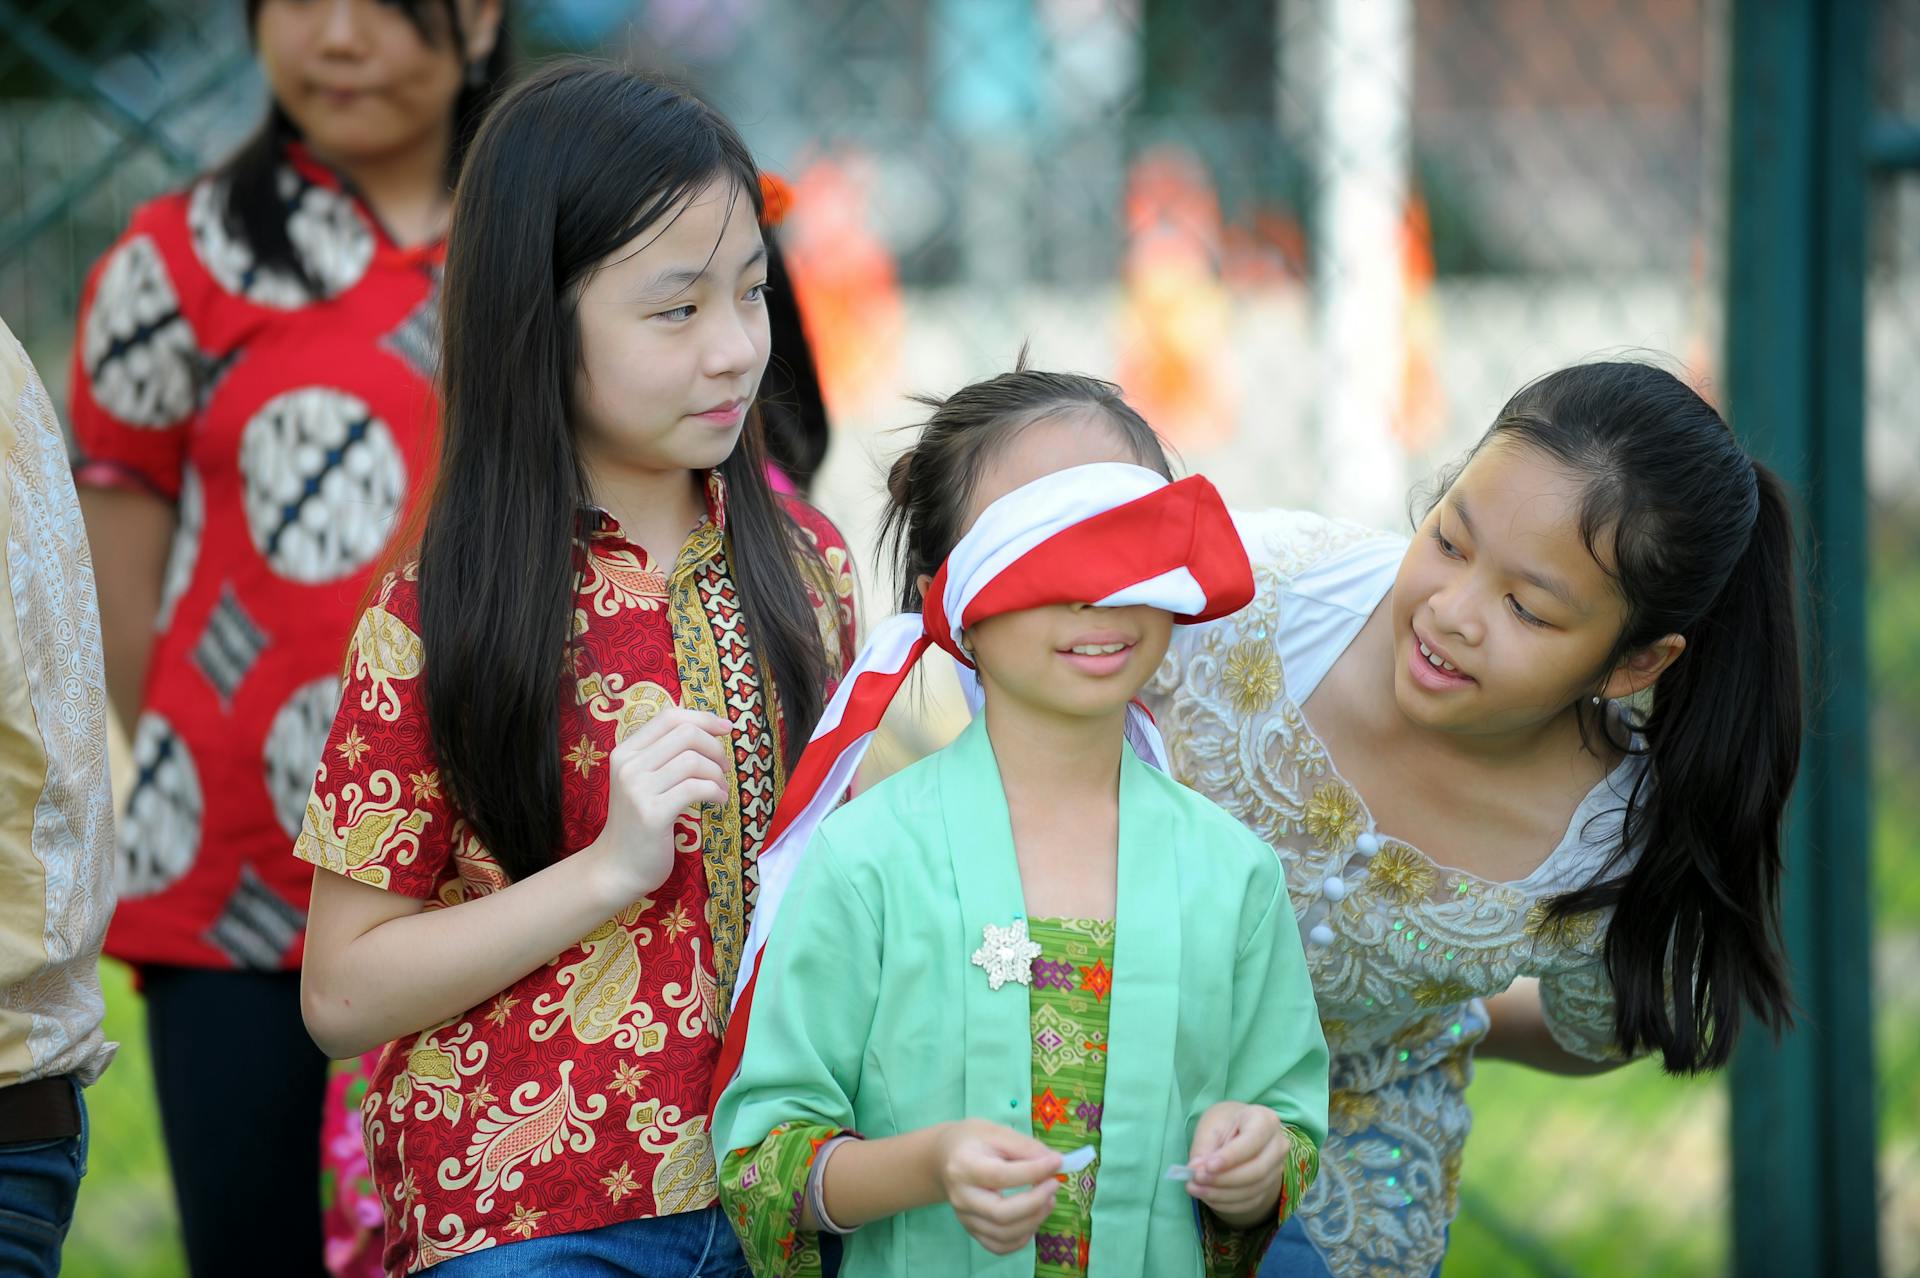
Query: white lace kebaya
(1402, 950)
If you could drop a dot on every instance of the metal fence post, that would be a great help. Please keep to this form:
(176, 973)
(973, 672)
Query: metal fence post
(1803, 1111)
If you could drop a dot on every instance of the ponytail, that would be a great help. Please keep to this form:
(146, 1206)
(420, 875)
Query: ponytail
(1702, 545)
(1694, 937)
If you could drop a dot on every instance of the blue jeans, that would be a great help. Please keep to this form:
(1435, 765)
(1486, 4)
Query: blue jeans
(39, 1181)
(1293, 1256)
(692, 1244)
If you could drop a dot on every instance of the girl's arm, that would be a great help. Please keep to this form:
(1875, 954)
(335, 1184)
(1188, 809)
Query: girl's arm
(969, 1164)
(1519, 1033)
(814, 1013)
(379, 965)
(130, 532)
(1257, 1151)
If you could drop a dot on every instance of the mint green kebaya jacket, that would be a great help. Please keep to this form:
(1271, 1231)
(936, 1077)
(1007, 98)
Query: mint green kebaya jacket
(870, 1015)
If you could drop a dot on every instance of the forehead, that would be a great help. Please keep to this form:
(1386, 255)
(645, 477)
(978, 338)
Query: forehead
(1058, 441)
(714, 228)
(1526, 506)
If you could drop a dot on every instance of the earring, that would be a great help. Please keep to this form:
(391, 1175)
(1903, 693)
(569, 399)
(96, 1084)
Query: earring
(1596, 701)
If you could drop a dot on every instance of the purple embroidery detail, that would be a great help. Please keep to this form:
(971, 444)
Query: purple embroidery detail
(1086, 1183)
(1048, 1040)
(1057, 1249)
(1088, 1113)
(1048, 974)
(750, 1177)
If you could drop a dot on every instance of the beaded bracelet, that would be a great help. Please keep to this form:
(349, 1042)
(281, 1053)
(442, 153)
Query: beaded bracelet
(817, 1184)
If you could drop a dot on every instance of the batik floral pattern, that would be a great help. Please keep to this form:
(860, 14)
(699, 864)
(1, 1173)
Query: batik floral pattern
(575, 1098)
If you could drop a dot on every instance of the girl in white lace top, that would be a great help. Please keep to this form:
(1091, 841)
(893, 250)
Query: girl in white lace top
(1437, 739)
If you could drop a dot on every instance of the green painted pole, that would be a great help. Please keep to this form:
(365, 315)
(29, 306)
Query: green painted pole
(1803, 1110)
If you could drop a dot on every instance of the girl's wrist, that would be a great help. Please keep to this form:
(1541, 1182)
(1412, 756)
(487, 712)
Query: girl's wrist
(610, 880)
(1250, 1219)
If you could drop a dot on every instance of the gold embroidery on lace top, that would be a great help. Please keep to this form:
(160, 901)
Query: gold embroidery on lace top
(1414, 942)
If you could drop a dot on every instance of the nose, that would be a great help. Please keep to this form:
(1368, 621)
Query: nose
(1457, 611)
(737, 347)
(341, 29)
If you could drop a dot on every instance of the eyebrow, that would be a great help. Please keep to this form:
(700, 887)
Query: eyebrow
(673, 282)
(1552, 585)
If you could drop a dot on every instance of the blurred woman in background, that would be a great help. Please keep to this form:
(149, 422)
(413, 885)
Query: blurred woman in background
(253, 398)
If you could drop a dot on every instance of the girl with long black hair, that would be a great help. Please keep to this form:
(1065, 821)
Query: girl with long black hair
(1525, 773)
(567, 719)
(252, 395)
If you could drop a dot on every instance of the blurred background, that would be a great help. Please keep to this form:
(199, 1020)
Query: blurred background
(1318, 241)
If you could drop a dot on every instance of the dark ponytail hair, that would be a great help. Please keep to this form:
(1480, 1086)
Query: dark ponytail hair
(571, 166)
(931, 484)
(256, 207)
(1699, 540)
(792, 408)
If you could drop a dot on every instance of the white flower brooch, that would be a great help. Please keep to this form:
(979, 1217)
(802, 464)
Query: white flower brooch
(1007, 954)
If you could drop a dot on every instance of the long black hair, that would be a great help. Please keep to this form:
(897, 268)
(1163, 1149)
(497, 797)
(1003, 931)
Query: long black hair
(1699, 540)
(792, 409)
(256, 208)
(570, 166)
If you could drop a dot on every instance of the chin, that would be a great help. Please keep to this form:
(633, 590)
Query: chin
(708, 454)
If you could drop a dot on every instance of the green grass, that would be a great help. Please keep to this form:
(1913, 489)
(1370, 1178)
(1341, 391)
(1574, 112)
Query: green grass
(125, 1225)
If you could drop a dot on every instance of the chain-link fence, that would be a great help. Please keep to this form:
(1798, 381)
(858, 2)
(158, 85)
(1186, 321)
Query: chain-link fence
(1319, 242)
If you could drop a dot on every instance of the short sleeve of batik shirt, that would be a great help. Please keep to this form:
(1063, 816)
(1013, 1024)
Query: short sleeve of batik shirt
(136, 362)
(377, 813)
(1577, 1006)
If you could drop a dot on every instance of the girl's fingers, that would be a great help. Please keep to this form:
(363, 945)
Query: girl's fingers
(677, 739)
(1251, 1173)
(666, 721)
(1009, 1211)
(692, 791)
(1215, 1128)
(1006, 1224)
(1016, 1173)
(1242, 1147)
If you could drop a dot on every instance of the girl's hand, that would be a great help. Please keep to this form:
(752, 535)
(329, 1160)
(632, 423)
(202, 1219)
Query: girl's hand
(676, 759)
(975, 1161)
(1239, 1152)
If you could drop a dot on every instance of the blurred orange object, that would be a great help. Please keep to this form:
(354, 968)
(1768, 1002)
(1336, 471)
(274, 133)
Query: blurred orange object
(844, 277)
(776, 197)
(1423, 403)
(1176, 364)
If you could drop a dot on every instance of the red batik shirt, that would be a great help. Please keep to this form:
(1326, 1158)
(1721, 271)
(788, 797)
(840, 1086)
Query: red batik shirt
(578, 1097)
(291, 432)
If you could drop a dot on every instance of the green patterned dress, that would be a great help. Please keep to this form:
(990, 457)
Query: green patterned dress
(1068, 997)
(1071, 981)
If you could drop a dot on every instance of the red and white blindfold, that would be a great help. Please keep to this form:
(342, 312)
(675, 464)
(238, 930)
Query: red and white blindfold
(1109, 534)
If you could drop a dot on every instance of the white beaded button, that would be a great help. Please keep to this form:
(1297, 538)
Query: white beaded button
(1367, 844)
(1334, 887)
(1321, 934)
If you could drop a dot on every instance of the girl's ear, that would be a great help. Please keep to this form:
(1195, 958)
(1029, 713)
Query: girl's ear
(1641, 668)
(921, 583)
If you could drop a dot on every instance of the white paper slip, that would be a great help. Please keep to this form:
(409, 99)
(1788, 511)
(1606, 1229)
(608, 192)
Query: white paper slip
(1078, 1161)
(1179, 1171)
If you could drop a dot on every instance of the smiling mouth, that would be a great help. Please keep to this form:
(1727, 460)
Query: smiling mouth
(1098, 649)
(1433, 658)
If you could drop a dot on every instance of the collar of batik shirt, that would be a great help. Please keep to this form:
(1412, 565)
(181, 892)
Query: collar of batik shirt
(600, 533)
